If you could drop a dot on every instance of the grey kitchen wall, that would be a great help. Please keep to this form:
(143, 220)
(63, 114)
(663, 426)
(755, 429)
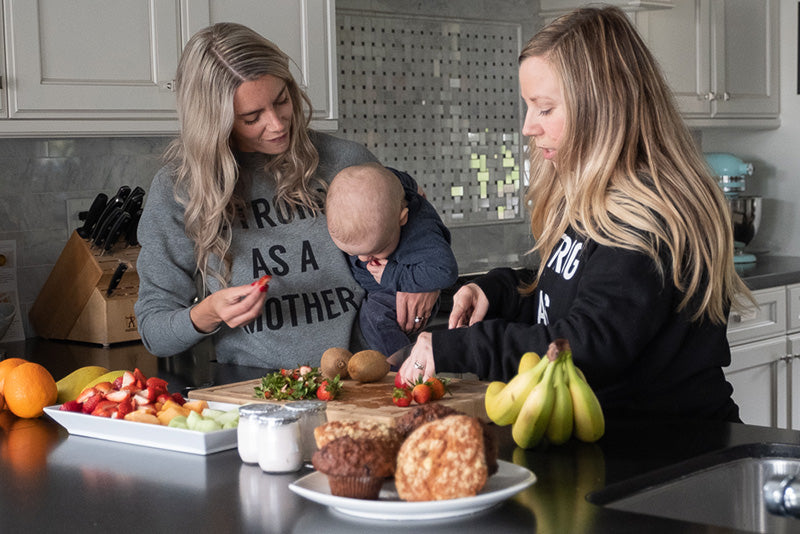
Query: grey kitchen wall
(442, 105)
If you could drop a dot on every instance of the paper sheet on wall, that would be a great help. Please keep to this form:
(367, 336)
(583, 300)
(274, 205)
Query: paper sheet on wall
(10, 318)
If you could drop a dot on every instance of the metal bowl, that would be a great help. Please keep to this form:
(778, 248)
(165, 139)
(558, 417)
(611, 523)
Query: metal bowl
(746, 218)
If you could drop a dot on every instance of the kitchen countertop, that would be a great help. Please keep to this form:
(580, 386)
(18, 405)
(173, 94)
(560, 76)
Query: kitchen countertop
(770, 271)
(52, 482)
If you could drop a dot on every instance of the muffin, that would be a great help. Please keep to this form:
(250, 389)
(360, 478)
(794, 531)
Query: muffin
(425, 413)
(442, 459)
(332, 430)
(356, 467)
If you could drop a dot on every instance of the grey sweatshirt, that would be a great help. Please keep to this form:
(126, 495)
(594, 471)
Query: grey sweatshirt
(312, 301)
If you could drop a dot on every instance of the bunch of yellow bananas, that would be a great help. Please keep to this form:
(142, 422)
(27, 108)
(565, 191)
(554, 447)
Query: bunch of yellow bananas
(548, 397)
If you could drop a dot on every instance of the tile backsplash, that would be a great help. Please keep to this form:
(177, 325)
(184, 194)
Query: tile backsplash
(435, 96)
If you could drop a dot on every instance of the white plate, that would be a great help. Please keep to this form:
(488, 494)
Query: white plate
(509, 480)
(158, 436)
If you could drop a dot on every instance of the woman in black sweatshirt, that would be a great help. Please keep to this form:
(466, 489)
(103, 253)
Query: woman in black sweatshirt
(638, 272)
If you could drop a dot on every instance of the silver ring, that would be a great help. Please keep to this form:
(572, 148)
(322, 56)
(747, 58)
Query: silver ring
(417, 319)
(418, 365)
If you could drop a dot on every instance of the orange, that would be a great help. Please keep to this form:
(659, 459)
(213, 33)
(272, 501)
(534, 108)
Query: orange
(7, 365)
(29, 387)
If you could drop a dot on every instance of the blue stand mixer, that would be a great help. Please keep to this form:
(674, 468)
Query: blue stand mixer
(745, 209)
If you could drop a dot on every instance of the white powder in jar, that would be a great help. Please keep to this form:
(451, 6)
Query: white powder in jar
(247, 430)
(312, 414)
(279, 442)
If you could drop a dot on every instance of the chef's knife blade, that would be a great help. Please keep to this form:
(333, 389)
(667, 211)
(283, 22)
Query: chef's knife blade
(118, 228)
(93, 215)
(397, 359)
(116, 277)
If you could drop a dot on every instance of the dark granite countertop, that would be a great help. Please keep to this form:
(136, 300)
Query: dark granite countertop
(53, 482)
(770, 271)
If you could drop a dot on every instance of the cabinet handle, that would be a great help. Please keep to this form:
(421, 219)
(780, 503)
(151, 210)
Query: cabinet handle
(726, 96)
(170, 85)
(710, 96)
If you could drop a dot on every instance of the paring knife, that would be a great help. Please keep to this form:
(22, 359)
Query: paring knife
(117, 276)
(93, 215)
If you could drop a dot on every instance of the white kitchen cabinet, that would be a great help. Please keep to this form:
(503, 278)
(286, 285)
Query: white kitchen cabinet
(720, 58)
(765, 358)
(754, 373)
(106, 67)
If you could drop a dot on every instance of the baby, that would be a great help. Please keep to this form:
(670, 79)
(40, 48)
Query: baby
(395, 241)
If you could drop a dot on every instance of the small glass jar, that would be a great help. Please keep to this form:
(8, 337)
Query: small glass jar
(279, 442)
(312, 414)
(247, 429)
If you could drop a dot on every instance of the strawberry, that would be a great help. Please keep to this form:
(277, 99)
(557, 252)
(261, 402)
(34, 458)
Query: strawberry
(71, 406)
(85, 394)
(328, 389)
(401, 397)
(105, 408)
(304, 370)
(156, 383)
(118, 395)
(117, 383)
(123, 408)
(177, 397)
(438, 387)
(127, 379)
(421, 393)
(91, 403)
(140, 378)
(398, 381)
(264, 280)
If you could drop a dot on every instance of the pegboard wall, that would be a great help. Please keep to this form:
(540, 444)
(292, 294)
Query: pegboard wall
(439, 99)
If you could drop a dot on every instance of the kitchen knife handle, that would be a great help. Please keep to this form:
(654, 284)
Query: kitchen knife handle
(93, 215)
(116, 278)
(105, 227)
(117, 229)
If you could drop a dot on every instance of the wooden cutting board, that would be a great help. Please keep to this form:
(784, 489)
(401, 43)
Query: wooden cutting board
(372, 401)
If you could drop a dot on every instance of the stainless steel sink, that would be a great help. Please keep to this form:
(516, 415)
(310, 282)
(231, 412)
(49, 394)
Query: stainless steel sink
(723, 489)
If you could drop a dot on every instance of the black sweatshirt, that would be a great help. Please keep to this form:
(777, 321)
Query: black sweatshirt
(640, 356)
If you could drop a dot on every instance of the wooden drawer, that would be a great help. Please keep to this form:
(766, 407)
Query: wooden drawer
(768, 320)
(793, 306)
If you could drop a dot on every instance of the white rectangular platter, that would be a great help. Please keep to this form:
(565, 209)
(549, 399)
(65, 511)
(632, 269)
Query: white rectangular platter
(158, 436)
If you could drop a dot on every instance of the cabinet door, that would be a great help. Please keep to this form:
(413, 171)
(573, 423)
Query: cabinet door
(305, 30)
(91, 59)
(3, 78)
(679, 38)
(745, 52)
(754, 375)
(793, 307)
(793, 381)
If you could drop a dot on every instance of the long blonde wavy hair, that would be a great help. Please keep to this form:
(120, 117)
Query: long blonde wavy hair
(629, 173)
(214, 63)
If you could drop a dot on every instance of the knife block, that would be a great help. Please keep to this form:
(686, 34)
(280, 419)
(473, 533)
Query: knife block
(73, 304)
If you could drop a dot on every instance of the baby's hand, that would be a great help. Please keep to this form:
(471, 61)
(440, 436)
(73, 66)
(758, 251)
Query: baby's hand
(375, 268)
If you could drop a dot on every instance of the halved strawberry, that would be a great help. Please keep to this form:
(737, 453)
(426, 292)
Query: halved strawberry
(118, 395)
(125, 407)
(140, 378)
(140, 398)
(91, 403)
(128, 379)
(85, 394)
(105, 408)
(71, 406)
(117, 383)
(156, 383)
(177, 397)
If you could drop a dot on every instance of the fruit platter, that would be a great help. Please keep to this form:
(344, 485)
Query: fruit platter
(128, 407)
(149, 435)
